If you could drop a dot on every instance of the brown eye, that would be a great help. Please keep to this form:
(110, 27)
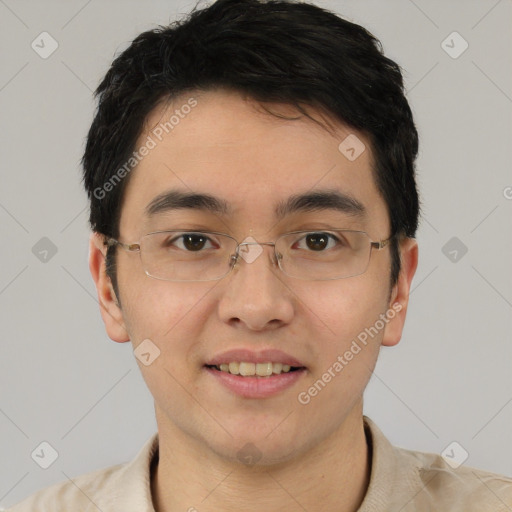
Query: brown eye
(194, 242)
(190, 242)
(317, 241)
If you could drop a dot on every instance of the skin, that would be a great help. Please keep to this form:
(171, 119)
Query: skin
(227, 146)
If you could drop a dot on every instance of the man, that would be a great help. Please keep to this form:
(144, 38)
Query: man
(253, 206)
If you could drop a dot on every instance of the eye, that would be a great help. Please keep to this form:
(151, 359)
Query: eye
(191, 242)
(318, 242)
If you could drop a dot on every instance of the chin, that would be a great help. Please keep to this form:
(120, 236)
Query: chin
(260, 447)
(256, 454)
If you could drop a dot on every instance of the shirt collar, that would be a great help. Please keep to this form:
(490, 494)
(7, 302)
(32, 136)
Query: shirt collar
(394, 477)
(129, 487)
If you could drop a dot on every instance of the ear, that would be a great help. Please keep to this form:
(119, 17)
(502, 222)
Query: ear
(110, 311)
(400, 292)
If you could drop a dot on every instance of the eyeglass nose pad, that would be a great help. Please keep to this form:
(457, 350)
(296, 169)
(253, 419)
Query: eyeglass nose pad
(233, 260)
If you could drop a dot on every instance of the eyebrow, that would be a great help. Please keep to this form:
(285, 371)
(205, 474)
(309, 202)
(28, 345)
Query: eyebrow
(319, 200)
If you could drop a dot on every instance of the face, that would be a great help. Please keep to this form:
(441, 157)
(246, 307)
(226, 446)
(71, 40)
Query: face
(228, 148)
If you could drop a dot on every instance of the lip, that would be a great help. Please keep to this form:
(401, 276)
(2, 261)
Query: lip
(252, 356)
(256, 387)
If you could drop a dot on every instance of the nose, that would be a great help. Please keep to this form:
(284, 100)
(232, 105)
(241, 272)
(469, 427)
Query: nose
(254, 293)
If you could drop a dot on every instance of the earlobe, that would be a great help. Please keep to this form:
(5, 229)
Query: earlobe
(400, 294)
(109, 307)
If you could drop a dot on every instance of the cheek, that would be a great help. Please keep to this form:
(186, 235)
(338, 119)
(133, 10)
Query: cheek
(165, 312)
(344, 309)
(346, 355)
(171, 317)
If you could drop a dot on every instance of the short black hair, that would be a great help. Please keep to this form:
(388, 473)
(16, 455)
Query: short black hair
(272, 51)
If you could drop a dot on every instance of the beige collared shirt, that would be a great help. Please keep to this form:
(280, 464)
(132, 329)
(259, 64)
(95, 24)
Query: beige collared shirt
(401, 481)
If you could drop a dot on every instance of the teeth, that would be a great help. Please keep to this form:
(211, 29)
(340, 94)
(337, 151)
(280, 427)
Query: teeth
(277, 368)
(247, 369)
(250, 369)
(234, 368)
(264, 369)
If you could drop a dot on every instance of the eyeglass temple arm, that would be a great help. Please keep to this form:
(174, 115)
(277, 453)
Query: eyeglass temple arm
(128, 247)
(382, 243)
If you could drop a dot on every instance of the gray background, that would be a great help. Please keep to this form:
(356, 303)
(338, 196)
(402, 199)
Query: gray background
(63, 381)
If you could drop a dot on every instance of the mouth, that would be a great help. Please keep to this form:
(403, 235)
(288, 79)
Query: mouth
(248, 369)
(254, 374)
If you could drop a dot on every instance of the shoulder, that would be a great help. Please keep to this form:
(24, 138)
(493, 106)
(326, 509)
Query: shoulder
(442, 486)
(412, 481)
(78, 494)
(124, 487)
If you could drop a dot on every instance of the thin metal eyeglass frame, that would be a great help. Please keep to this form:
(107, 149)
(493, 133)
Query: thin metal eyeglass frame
(135, 247)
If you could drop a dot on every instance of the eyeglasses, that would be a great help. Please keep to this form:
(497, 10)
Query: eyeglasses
(179, 255)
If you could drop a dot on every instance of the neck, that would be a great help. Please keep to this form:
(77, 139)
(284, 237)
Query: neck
(333, 475)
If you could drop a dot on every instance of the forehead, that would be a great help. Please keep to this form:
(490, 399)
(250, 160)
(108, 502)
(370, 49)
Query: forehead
(219, 144)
